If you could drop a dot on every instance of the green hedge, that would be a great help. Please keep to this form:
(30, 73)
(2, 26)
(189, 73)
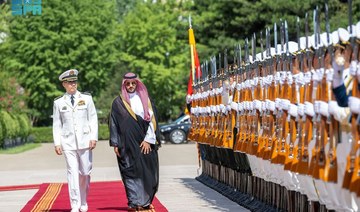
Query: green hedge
(44, 134)
(2, 133)
(25, 125)
(11, 126)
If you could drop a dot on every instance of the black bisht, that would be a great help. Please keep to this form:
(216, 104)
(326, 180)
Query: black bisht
(139, 172)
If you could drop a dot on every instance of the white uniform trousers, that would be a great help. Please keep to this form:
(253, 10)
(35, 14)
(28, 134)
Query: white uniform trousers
(79, 166)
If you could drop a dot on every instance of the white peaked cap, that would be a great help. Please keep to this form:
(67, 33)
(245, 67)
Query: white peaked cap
(279, 49)
(343, 35)
(293, 47)
(303, 42)
(272, 51)
(264, 53)
(335, 37)
(353, 31)
(323, 38)
(312, 41)
(258, 56)
(250, 59)
(357, 27)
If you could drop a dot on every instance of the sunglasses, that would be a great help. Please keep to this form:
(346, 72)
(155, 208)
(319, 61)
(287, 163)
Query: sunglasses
(133, 83)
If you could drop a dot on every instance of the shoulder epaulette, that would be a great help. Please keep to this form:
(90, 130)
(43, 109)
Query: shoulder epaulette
(86, 93)
(58, 97)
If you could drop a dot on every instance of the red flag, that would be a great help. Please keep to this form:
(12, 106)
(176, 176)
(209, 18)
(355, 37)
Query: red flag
(195, 71)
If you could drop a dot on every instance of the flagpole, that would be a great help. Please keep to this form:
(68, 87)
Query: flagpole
(191, 42)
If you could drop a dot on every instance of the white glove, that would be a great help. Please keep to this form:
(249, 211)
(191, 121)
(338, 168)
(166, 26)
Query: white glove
(240, 106)
(270, 105)
(353, 68)
(324, 108)
(257, 104)
(278, 103)
(208, 110)
(354, 104)
(309, 109)
(301, 108)
(293, 110)
(228, 108)
(234, 106)
(339, 113)
(285, 103)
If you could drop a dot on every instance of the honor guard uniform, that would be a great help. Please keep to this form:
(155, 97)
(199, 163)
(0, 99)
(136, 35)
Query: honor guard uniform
(75, 132)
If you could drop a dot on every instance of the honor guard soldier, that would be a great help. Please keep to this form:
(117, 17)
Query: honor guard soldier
(75, 132)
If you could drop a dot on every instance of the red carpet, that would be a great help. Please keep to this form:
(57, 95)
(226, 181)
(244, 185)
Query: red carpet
(103, 196)
(19, 187)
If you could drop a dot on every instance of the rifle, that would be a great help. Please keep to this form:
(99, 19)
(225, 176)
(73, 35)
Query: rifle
(202, 105)
(263, 136)
(214, 102)
(291, 147)
(256, 92)
(207, 103)
(271, 98)
(292, 108)
(306, 136)
(227, 97)
(220, 115)
(299, 89)
(313, 169)
(235, 117)
(237, 97)
(281, 126)
(319, 169)
(331, 169)
(244, 132)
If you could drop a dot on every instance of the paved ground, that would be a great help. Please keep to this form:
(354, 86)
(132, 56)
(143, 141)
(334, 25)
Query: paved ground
(178, 190)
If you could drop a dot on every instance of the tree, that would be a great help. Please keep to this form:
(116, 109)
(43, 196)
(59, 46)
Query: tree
(151, 48)
(68, 34)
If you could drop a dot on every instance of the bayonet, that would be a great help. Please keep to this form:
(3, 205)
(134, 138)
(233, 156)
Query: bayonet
(226, 70)
(300, 54)
(247, 60)
(261, 46)
(327, 28)
(275, 38)
(255, 61)
(352, 34)
(306, 32)
(282, 32)
(246, 51)
(350, 19)
(288, 54)
(253, 48)
(308, 51)
(298, 32)
(219, 65)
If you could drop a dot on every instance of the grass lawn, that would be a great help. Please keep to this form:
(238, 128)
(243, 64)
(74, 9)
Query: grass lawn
(20, 149)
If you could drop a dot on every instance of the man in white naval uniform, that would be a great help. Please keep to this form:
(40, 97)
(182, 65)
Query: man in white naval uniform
(75, 132)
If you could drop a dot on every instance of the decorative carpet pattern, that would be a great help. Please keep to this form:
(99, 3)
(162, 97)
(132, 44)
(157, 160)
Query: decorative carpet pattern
(103, 196)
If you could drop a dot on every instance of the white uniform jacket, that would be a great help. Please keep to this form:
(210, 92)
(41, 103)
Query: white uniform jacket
(74, 126)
